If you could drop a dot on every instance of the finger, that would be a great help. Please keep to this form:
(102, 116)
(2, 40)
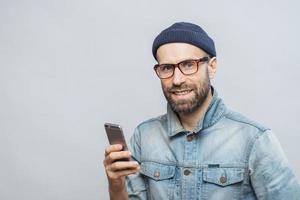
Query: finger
(113, 148)
(123, 165)
(113, 156)
(119, 174)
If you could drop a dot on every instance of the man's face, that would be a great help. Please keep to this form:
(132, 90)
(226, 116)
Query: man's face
(184, 93)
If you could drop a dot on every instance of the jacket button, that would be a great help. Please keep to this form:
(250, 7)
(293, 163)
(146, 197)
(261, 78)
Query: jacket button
(223, 179)
(156, 173)
(190, 137)
(186, 172)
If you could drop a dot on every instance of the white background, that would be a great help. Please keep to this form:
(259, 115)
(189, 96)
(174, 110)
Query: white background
(66, 67)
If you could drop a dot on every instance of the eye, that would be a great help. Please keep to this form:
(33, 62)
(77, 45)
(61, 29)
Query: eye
(188, 64)
(166, 68)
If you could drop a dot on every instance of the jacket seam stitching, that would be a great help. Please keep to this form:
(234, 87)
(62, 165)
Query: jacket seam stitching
(263, 129)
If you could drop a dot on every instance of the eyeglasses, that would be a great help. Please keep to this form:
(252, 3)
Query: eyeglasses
(187, 67)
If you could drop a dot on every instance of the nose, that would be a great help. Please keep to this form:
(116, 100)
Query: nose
(178, 77)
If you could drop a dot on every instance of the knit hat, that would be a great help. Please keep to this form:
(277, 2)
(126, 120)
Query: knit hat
(186, 33)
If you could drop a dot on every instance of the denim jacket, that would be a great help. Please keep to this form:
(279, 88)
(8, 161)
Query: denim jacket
(227, 156)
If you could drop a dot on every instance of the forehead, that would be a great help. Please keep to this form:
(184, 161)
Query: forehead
(176, 52)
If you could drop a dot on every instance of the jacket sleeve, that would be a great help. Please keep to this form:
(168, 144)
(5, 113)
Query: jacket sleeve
(135, 183)
(271, 175)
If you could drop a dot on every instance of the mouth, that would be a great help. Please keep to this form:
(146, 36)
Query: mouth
(181, 92)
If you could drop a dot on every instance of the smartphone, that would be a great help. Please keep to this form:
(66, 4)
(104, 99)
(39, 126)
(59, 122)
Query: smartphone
(115, 135)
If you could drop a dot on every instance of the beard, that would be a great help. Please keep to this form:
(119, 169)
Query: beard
(200, 91)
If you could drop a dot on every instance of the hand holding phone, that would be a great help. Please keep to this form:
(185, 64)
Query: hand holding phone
(117, 160)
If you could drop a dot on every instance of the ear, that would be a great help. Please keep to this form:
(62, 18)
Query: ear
(212, 67)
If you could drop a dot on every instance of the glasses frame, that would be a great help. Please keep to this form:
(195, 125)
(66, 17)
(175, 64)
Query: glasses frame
(203, 59)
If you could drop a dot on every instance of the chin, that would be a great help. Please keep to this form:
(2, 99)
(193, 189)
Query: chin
(182, 108)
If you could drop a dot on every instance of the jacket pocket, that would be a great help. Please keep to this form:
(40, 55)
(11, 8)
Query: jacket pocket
(157, 171)
(159, 180)
(223, 176)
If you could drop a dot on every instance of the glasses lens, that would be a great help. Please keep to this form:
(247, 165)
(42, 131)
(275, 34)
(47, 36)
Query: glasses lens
(165, 71)
(188, 66)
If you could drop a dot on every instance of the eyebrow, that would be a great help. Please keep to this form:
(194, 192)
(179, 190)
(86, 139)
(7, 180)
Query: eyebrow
(169, 63)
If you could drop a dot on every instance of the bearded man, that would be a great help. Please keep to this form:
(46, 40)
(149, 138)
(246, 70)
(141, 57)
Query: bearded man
(199, 149)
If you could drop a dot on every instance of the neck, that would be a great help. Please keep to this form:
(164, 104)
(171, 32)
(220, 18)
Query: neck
(189, 120)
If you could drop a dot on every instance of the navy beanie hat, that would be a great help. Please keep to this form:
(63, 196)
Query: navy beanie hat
(186, 33)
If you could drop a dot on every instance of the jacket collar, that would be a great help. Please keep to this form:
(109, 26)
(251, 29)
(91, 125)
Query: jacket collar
(214, 112)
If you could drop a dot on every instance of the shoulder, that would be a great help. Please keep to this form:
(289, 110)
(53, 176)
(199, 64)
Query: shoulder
(240, 120)
(249, 131)
(150, 126)
(154, 122)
